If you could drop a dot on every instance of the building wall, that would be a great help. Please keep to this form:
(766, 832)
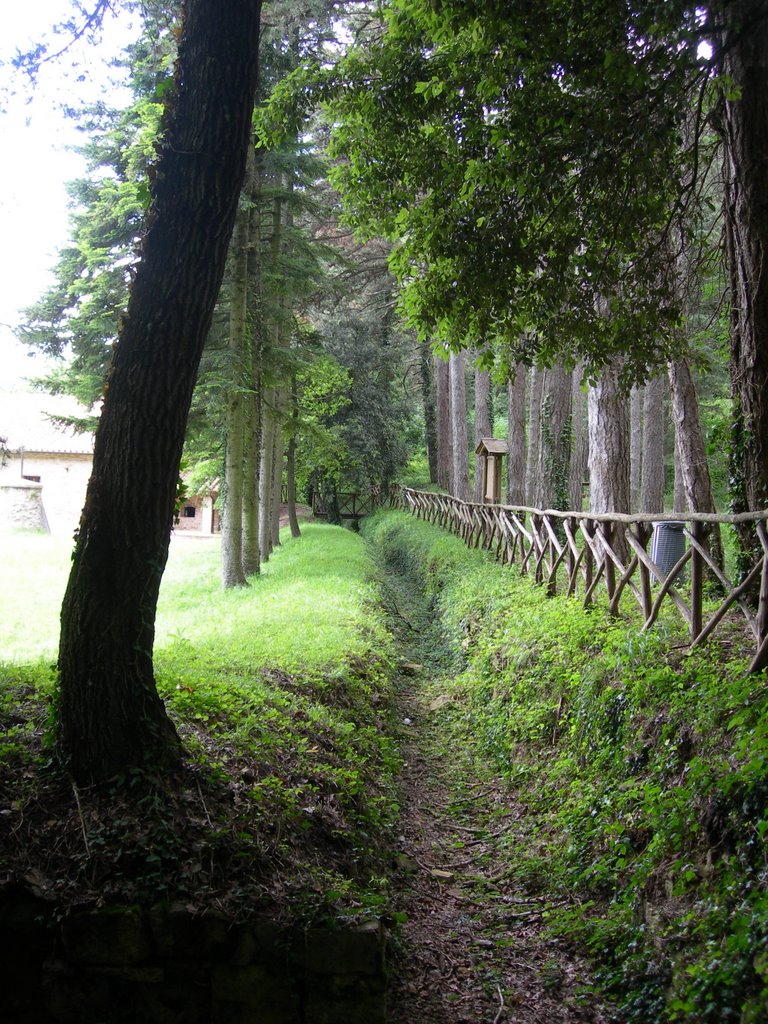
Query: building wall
(21, 505)
(62, 485)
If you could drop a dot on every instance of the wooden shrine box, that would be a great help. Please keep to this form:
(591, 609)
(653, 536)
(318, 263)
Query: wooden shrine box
(491, 451)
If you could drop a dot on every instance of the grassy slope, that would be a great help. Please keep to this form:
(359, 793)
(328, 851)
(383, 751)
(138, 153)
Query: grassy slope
(644, 772)
(280, 694)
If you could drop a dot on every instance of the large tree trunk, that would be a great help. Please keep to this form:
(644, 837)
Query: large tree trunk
(652, 485)
(459, 436)
(443, 392)
(483, 425)
(608, 443)
(110, 717)
(552, 483)
(635, 446)
(744, 58)
(580, 455)
(534, 435)
(516, 447)
(692, 453)
(430, 409)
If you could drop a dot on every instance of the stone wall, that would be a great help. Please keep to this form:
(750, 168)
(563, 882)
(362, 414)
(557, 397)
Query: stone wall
(21, 505)
(170, 965)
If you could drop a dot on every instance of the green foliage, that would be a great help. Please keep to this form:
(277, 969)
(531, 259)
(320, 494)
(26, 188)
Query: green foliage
(644, 772)
(492, 145)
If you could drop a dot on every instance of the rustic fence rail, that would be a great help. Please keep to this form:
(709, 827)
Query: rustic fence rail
(577, 552)
(349, 504)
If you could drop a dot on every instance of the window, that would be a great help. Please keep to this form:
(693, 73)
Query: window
(190, 511)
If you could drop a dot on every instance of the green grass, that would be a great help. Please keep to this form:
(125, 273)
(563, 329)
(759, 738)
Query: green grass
(642, 769)
(280, 692)
(305, 607)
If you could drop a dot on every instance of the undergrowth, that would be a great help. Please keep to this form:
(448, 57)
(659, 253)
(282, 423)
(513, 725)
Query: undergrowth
(643, 770)
(281, 695)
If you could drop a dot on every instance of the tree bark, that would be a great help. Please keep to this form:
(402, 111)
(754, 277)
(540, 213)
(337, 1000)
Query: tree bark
(692, 452)
(553, 479)
(253, 396)
(608, 443)
(635, 446)
(534, 436)
(266, 475)
(459, 437)
(232, 570)
(516, 446)
(743, 52)
(428, 399)
(652, 485)
(110, 717)
(443, 391)
(679, 500)
(580, 455)
(483, 425)
(290, 469)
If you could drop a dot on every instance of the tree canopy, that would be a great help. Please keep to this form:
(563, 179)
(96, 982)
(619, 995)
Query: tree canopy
(528, 161)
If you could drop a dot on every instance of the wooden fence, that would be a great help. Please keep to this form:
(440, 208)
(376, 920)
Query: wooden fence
(576, 552)
(350, 505)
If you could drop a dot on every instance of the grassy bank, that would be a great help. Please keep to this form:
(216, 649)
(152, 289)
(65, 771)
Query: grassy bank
(643, 772)
(280, 693)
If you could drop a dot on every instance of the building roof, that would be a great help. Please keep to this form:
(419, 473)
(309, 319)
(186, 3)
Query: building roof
(26, 422)
(491, 446)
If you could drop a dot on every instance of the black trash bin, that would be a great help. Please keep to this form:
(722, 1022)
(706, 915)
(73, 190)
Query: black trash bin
(668, 547)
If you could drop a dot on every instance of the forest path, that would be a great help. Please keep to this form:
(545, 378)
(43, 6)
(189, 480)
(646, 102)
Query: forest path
(472, 949)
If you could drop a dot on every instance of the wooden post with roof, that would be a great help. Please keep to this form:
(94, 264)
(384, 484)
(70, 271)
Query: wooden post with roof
(491, 450)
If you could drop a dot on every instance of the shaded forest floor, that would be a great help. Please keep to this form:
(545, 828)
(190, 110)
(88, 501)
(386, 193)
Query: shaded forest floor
(473, 946)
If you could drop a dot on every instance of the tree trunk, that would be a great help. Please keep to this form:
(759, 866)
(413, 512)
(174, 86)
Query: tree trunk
(636, 398)
(290, 469)
(232, 571)
(553, 479)
(266, 475)
(744, 58)
(277, 470)
(430, 411)
(516, 447)
(580, 456)
(253, 396)
(251, 556)
(652, 486)
(689, 439)
(679, 501)
(459, 437)
(534, 436)
(443, 391)
(110, 717)
(608, 443)
(483, 425)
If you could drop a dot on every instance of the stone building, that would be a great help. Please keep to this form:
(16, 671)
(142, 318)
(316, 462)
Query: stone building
(44, 466)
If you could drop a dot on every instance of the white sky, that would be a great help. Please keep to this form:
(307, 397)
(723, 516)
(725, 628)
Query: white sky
(35, 162)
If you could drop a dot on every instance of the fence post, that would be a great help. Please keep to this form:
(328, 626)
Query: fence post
(643, 534)
(609, 570)
(760, 660)
(697, 579)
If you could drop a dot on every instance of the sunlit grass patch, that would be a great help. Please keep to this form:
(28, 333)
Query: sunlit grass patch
(280, 693)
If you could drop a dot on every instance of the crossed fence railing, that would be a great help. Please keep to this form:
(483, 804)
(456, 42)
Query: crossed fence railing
(577, 552)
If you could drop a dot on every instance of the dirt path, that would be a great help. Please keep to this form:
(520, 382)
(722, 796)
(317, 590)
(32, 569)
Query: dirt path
(472, 949)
